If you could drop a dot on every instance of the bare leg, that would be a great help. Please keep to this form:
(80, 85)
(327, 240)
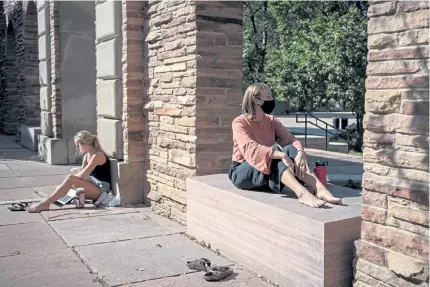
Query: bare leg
(319, 188)
(304, 196)
(91, 191)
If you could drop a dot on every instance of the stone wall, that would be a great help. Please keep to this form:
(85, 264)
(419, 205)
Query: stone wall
(20, 104)
(193, 80)
(394, 247)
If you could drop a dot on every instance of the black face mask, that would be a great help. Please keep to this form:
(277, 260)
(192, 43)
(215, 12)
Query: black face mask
(268, 106)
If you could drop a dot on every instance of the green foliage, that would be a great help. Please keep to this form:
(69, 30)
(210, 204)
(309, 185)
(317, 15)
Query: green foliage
(310, 53)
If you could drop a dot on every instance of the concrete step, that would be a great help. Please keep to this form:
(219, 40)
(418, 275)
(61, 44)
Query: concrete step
(341, 147)
(273, 234)
(319, 142)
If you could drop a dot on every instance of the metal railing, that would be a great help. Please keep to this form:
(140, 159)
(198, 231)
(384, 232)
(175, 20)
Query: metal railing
(327, 131)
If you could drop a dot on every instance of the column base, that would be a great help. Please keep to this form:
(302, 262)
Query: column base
(57, 151)
(127, 181)
(30, 137)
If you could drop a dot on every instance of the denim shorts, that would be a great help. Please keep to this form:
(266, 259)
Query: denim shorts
(245, 176)
(102, 185)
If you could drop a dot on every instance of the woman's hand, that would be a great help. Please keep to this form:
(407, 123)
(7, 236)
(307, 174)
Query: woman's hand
(301, 163)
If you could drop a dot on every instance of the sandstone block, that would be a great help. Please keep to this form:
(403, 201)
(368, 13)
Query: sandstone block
(408, 267)
(374, 198)
(397, 240)
(43, 21)
(382, 101)
(30, 137)
(108, 55)
(405, 213)
(409, 6)
(45, 73)
(44, 47)
(110, 135)
(127, 181)
(418, 141)
(370, 252)
(109, 98)
(45, 98)
(46, 123)
(41, 4)
(108, 20)
(186, 121)
(53, 151)
(399, 22)
(397, 173)
(404, 188)
(397, 158)
(378, 140)
(418, 52)
(411, 227)
(393, 68)
(153, 36)
(414, 37)
(162, 19)
(246, 238)
(364, 280)
(374, 214)
(420, 108)
(182, 157)
(386, 8)
(397, 82)
(382, 41)
(415, 95)
(396, 123)
(382, 274)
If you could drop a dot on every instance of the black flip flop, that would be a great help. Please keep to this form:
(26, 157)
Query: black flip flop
(18, 206)
(201, 264)
(218, 273)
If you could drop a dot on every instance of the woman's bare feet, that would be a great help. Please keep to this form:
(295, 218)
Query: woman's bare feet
(38, 207)
(323, 194)
(308, 199)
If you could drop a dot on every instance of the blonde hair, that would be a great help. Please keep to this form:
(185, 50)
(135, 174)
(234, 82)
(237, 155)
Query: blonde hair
(85, 137)
(253, 91)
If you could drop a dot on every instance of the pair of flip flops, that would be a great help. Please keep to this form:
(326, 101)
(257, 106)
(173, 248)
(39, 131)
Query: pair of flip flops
(18, 206)
(212, 273)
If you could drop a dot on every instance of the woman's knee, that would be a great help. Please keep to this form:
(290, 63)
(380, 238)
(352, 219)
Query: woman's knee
(71, 178)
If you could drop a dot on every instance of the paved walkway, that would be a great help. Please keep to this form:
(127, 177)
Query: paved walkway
(123, 246)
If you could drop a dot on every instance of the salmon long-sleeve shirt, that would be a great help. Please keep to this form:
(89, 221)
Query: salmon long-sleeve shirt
(252, 140)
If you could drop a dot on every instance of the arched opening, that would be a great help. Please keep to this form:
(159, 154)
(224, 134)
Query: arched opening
(30, 113)
(10, 104)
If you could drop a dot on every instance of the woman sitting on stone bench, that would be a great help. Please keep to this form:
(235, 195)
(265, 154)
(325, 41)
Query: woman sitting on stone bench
(261, 148)
(94, 175)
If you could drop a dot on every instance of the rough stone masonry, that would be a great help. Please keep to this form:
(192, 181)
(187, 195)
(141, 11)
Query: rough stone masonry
(394, 247)
(194, 72)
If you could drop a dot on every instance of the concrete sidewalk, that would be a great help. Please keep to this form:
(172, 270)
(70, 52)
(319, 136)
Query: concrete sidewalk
(123, 246)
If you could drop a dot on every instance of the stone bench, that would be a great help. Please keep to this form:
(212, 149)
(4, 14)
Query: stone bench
(274, 235)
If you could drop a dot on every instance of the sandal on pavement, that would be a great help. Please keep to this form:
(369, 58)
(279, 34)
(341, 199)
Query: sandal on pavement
(18, 206)
(201, 264)
(218, 273)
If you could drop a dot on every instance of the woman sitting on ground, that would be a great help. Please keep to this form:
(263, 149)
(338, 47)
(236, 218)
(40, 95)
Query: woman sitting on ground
(261, 147)
(94, 175)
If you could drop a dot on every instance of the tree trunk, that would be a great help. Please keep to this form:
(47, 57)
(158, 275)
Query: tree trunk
(359, 134)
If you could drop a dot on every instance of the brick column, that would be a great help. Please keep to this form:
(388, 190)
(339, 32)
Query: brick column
(193, 81)
(394, 247)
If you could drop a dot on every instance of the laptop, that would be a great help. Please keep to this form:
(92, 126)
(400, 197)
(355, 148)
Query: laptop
(67, 198)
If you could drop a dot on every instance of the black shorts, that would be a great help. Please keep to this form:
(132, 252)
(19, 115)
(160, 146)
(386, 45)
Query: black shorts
(244, 176)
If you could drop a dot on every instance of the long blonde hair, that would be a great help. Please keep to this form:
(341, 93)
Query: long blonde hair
(253, 91)
(85, 137)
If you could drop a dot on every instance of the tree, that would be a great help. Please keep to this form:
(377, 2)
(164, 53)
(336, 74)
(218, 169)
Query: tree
(312, 52)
